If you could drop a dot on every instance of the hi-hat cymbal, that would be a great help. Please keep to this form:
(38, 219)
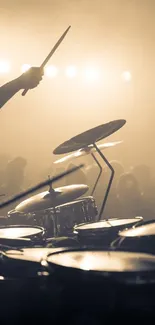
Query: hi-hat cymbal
(86, 151)
(46, 200)
(89, 137)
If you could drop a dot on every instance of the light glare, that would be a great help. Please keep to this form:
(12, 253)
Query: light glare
(92, 74)
(51, 71)
(4, 67)
(126, 76)
(25, 67)
(71, 71)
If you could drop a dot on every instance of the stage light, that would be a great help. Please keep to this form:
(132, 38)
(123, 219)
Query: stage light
(51, 71)
(4, 67)
(92, 74)
(25, 67)
(126, 75)
(71, 71)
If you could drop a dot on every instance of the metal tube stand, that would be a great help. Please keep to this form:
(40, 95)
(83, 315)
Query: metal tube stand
(110, 180)
(99, 175)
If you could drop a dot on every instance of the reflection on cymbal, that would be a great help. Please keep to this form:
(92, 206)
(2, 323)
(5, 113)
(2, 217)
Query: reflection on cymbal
(46, 200)
(86, 151)
(89, 137)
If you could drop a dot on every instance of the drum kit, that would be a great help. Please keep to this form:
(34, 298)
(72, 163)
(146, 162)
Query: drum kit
(59, 210)
(56, 251)
(59, 262)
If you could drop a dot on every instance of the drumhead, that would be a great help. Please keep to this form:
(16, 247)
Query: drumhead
(141, 231)
(103, 261)
(68, 204)
(20, 231)
(108, 224)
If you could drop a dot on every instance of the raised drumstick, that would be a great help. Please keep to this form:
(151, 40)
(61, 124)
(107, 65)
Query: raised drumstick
(50, 54)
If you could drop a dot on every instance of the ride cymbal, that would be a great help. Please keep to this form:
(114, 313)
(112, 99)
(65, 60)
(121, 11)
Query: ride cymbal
(89, 137)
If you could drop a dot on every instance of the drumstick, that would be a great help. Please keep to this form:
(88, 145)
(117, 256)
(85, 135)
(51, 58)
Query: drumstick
(39, 186)
(50, 54)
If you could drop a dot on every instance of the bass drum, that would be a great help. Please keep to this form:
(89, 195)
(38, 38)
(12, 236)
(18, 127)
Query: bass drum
(140, 238)
(99, 285)
(102, 233)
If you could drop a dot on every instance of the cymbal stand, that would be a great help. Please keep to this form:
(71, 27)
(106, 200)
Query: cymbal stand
(99, 175)
(53, 195)
(110, 180)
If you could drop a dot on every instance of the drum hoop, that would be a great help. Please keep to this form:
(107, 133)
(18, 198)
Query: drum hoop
(79, 200)
(21, 226)
(99, 249)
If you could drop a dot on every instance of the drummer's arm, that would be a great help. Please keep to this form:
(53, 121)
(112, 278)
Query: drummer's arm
(27, 80)
(8, 90)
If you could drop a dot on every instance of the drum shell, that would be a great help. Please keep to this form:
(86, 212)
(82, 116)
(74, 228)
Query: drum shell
(34, 239)
(61, 221)
(144, 242)
(99, 293)
(101, 237)
(24, 288)
(74, 213)
(68, 294)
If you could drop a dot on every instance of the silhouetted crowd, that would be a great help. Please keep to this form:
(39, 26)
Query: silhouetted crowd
(132, 192)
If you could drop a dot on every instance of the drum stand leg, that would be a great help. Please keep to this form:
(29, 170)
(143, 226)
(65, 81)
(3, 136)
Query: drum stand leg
(52, 193)
(55, 222)
(110, 180)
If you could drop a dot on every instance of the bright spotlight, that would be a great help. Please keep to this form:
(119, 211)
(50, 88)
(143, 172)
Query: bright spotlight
(71, 71)
(4, 67)
(126, 75)
(51, 71)
(25, 67)
(92, 74)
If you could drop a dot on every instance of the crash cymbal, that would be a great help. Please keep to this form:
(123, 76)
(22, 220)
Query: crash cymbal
(46, 200)
(89, 137)
(86, 151)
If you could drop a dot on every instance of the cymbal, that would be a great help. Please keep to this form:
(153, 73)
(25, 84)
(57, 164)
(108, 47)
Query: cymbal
(89, 137)
(104, 261)
(140, 231)
(86, 151)
(46, 200)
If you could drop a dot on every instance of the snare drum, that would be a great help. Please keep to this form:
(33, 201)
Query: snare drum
(11, 235)
(102, 233)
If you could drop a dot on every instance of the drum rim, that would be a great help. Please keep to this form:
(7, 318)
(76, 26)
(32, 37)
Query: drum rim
(13, 254)
(21, 226)
(83, 199)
